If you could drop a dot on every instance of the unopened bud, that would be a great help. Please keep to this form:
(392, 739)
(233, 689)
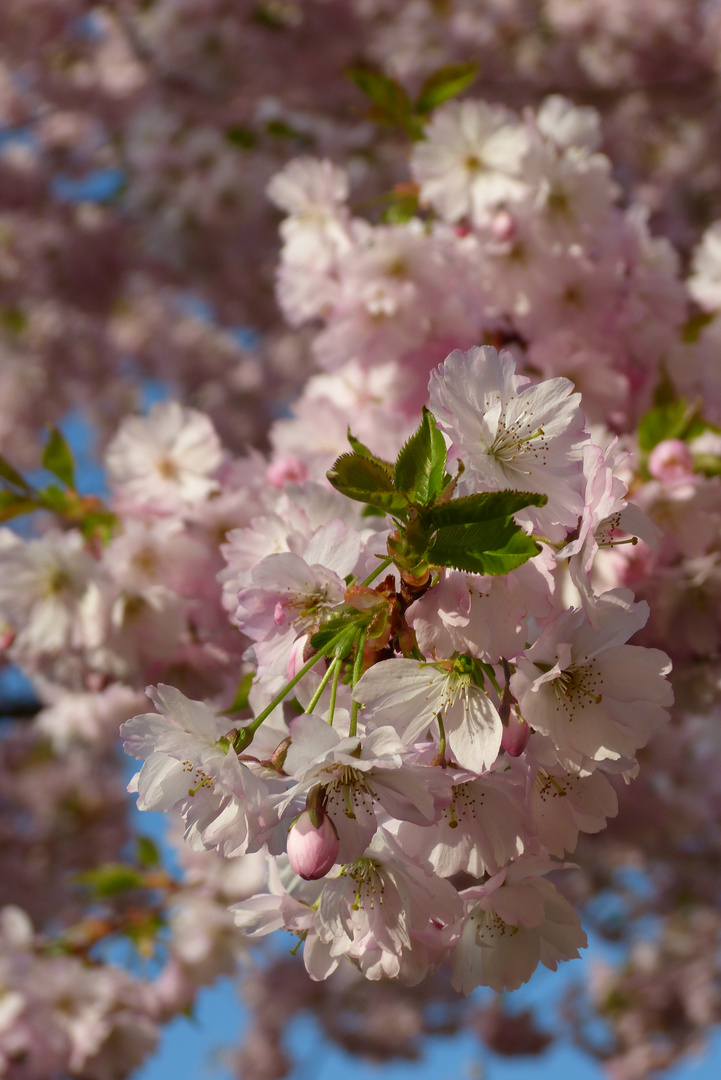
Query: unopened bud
(503, 225)
(312, 849)
(671, 461)
(516, 734)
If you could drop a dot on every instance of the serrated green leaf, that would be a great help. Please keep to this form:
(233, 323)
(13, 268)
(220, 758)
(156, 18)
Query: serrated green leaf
(664, 422)
(485, 506)
(444, 84)
(362, 450)
(242, 694)
(146, 852)
(10, 475)
(420, 467)
(492, 547)
(58, 458)
(365, 481)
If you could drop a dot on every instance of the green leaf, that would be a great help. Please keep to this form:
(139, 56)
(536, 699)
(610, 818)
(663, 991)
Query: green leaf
(664, 422)
(58, 458)
(54, 498)
(362, 479)
(13, 319)
(485, 506)
(393, 106)
(445, 83)
(111, 879)
(420, 468)
(242, 137)
(493, 547)
(363, 451)
(10, 475)
(13, 504)
(242, 694)
(691, 331)
(707, 464)
(403, 205)
(146, 852)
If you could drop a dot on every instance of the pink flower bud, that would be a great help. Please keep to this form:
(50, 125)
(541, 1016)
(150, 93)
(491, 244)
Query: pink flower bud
(312, 849)
(516, 734)
(503, 225)
(671, 461)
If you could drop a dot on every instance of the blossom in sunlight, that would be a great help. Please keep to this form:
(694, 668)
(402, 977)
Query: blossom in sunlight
(166, 461)
(471, 160)
(508, 432)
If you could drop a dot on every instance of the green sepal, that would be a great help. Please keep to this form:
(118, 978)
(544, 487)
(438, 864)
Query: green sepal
(420, 467)
(485, 506)
(360, 478)
(58, 458)
(494, 547)
(445, 83)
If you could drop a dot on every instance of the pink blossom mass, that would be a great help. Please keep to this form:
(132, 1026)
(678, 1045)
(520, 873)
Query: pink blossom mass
(360, 478)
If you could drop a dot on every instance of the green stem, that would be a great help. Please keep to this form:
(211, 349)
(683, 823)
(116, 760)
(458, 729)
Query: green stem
(245, 735)
(323, 683)
(442, 740)
(357, 668)
(333, 693)
(378, 570)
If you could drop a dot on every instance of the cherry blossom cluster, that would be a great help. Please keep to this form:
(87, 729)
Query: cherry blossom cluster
(457, 718)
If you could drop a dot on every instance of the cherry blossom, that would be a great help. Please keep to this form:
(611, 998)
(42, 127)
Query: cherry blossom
(508, 432)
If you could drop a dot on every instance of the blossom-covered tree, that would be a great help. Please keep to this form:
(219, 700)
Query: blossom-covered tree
(404, 558)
